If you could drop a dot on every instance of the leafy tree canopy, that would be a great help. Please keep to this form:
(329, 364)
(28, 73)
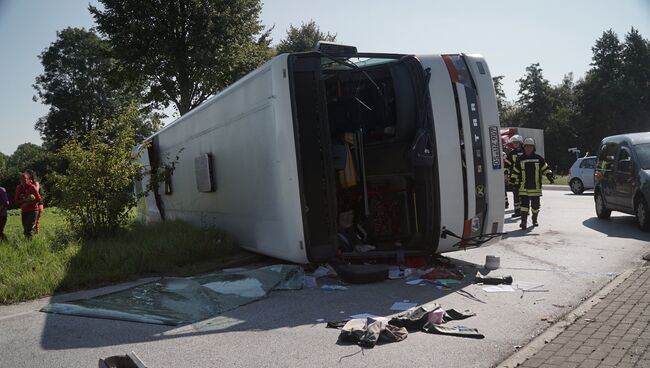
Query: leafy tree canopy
(303, 38)
(534, 96)
(184, 50)
(83, 85)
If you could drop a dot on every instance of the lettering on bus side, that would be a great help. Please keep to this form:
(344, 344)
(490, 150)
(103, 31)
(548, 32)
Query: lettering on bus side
(494, 147)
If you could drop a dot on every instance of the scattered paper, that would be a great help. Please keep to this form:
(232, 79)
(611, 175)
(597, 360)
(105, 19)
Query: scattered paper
(394, 272)
(415, 282)
(329, 287)
(324, 271)
(498, 288)
(401, 306)
(363, 315)
(363, 248)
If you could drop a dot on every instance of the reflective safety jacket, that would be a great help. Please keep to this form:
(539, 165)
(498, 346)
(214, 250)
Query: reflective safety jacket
(528, 171)
(511, 159)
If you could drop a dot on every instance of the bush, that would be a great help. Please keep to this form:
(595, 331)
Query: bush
(97, 187)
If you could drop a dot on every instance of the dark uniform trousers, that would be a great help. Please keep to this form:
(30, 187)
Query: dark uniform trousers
(529, 171)
(510, 164)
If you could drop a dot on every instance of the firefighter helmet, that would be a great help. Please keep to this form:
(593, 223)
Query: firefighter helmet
(516, 138)
(529, 141)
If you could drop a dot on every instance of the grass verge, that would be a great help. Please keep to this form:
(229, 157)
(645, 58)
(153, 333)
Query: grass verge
(55, 261)
(559, 180)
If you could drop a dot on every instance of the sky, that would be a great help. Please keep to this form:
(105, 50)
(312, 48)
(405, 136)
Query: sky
(511, 34)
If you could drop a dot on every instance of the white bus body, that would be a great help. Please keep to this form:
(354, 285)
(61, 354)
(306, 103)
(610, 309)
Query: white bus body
(266, 159)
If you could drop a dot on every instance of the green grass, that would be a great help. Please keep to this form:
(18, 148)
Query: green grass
(559, 180)
(54, 261)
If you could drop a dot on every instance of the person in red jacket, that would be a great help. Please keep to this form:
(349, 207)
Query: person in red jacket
(27, 198)
(4, 205)
(41, 205)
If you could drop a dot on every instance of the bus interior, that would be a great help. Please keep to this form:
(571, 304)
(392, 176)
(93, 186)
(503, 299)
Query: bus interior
(355, 120)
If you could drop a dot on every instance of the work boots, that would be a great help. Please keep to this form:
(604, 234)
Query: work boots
(524, 220)
(535, 220)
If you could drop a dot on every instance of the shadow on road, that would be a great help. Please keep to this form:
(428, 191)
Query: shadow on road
(519, 233)
(618, 227)
(280, 309)
(583, 194)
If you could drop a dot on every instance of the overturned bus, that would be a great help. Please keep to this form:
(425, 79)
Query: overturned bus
(337, 153)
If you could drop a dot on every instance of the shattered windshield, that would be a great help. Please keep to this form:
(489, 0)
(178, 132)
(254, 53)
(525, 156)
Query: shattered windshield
(361, 62)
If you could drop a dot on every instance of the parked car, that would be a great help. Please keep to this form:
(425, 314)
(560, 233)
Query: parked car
(581, 174)
(622, 177)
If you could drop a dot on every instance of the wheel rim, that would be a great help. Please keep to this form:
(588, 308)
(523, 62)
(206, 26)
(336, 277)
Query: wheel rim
(576, 186)
(599, 203)
(640, 213)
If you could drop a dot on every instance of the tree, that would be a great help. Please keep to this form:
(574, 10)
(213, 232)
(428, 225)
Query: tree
(501, 95)
(303, 38)
(601, 95)
(534, 97)
(560, 131)
(635, 72)
(82, 85)
(184, 50)
(606, 61)
(3, 165)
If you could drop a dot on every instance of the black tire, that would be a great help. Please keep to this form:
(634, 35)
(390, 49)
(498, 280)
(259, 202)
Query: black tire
(642, 214)
(576, 185)
(601, 210)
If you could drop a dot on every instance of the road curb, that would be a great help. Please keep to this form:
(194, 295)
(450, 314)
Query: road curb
(552, 332)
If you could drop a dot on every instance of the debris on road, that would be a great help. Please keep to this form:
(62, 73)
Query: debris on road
(495, 280)
(492, 262)
(330, 287)
(177, 301)
(498, 288)
(402, 306)
(429, 317)
(130, 360)
(323, 271)
(363, 315)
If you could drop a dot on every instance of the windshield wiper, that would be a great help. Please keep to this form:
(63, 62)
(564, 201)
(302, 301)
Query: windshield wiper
(353, 66)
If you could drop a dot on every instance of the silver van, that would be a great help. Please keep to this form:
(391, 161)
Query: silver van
(622, 177)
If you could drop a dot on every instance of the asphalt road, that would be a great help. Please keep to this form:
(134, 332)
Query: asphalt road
(572, 253)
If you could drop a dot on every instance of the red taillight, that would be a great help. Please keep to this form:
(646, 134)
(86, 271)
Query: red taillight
(598, 174)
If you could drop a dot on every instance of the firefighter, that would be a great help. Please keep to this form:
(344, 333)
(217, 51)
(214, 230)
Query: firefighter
(528, 171)
(511, 158)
